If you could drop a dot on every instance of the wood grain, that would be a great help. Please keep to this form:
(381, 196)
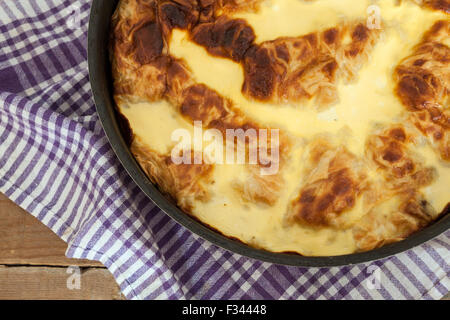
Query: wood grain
(33, 263)
(26, 241)
(50, 283)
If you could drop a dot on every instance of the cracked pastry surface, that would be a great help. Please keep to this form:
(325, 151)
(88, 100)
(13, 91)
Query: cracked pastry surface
(362, 113)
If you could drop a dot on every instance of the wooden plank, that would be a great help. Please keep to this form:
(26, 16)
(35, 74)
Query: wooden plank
(51, 283)
(24, 240)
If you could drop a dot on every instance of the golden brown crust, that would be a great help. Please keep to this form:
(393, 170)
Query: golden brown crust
(442, 5)
(182, 14)
(423, 86)
(301, 68)
(283, 70)
(294, 69)
(391, 150)
(238, 5)
(424, 77)
(225, 37)
(184, 183)
(138, 52)
(198, 102)
(406, 213)
(435, 125)
(201, 103)
(143, 69)
(335, 178)
(257, 188)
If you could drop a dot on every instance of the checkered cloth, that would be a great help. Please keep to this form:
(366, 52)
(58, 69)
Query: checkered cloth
(56, 163)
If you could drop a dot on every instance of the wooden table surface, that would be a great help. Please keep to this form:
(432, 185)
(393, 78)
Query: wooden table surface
(33, 265)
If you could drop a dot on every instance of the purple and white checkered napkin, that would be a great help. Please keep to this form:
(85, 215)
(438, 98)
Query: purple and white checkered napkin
(56, 163)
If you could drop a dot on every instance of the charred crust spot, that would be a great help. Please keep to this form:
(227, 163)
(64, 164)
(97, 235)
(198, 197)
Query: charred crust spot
(406, 169)
(398, 134)
(148, 43)
(435, 114)
(282, 52)
(228, 38)
(294, 69)
(360, 37)
(438, 32)
(178, 79)
(416, 89)
(400, 165)
(307, 214)
(342, 185)
(434, 123)
(331, 35)
(325, 202)
(175, 15)
(419, 62)
(204, 36)
(409, 167)
(361, 33)
(437, 27)
(311, 38)
(207, 10)
(438, 135)
(330, 69)
(419, 209)
(259, 73)
(203, 103)
(443, 5)
(438, 51)
(423, 78)
(188, 172)
(392, 154)
(353, 52)
(318, 203)
(350, 201)
(307, 196)
(176, 70)
(298, 44)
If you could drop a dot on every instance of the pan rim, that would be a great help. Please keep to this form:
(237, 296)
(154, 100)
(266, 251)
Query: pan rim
(97, 52)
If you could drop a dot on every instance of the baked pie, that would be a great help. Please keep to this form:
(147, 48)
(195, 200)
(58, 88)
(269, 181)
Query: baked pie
(350, 100)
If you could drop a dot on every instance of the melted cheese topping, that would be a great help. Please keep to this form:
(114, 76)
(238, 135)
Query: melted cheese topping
(362, 104)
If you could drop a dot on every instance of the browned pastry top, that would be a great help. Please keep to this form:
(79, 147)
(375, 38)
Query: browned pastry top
(325, 187)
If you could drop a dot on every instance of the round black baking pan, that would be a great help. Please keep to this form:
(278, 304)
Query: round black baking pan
(101, 83)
